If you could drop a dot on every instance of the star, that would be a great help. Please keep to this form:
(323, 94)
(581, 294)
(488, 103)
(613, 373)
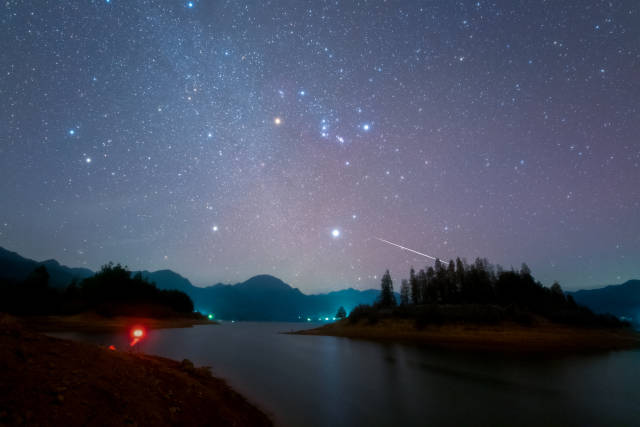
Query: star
(277, 121)
(214, 228)
(335, 233)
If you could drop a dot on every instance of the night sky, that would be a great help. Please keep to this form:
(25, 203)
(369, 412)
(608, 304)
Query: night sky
(228, 139)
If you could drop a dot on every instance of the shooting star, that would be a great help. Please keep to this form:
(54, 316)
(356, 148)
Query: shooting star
(410, 250)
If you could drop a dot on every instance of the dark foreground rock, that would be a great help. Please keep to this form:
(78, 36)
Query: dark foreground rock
(52, 382)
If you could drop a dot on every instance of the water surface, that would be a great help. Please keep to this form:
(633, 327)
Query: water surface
(328, 381)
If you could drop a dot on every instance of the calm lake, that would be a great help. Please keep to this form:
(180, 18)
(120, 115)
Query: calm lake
(326, 381)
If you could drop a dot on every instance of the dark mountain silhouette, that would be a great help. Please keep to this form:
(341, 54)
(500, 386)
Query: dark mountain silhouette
(262, 297)
(620, 300)
(15, 268)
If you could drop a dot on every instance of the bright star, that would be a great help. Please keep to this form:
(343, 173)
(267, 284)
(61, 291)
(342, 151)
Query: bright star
(366, 127)
(214, 228)
(335, 233)
(72, 132)
(190, 4)
(277, 121)
(88, 160)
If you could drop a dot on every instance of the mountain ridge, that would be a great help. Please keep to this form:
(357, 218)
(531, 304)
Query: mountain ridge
(266, 297)
(622, 300)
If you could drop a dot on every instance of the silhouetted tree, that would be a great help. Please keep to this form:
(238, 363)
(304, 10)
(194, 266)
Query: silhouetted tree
(430, 286)
(38, 279)
(341, 314)
(114, 291)
(451, 293)
(415, 287)
(460, 274)
(386, 294)
(404, 292)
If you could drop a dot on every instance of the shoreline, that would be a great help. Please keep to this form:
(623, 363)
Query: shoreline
(52, 381)
(505, 337)
(93, 323)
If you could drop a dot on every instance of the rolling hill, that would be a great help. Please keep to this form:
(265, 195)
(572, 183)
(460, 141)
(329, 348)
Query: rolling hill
(15, 268)
(620, 300)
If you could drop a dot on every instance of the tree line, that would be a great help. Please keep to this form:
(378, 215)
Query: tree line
(112, 291)
(479, 291)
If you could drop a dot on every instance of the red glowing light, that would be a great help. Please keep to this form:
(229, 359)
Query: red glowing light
(137, 332)
(112, 347)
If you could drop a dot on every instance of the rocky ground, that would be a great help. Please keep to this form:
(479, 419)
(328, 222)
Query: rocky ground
(52, 382)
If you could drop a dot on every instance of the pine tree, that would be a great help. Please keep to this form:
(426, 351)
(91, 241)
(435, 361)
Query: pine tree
(341, 314)
(404, 293)
(386, 294)
(415, 287)
(429, 286)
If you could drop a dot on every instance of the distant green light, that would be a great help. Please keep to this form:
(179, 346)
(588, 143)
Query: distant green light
(308, 319)
(326, 318)
(211, 316)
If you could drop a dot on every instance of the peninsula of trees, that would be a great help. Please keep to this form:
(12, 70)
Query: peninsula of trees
(479, 292)
(477, 304)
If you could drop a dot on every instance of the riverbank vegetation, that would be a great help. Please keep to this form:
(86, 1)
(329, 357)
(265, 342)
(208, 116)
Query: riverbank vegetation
(113, 291)
(478, 293)
(481, 306)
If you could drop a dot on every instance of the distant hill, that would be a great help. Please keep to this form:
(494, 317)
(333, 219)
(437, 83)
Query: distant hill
(15, 268)
(261, 298)
(619, 300)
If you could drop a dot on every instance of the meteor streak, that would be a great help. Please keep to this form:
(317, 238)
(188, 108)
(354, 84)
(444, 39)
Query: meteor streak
(407, 249)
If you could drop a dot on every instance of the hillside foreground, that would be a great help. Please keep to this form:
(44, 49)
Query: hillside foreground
(505, 336)
(50, 381)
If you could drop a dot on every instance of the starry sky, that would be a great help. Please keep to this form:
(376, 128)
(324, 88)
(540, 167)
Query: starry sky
(224, 139)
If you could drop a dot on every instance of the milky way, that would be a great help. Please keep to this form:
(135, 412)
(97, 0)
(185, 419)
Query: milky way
(227, 139)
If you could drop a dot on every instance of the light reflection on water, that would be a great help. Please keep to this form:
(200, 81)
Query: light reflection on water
(321, 381)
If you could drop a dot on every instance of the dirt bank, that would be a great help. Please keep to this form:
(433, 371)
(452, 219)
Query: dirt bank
(53, 382)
